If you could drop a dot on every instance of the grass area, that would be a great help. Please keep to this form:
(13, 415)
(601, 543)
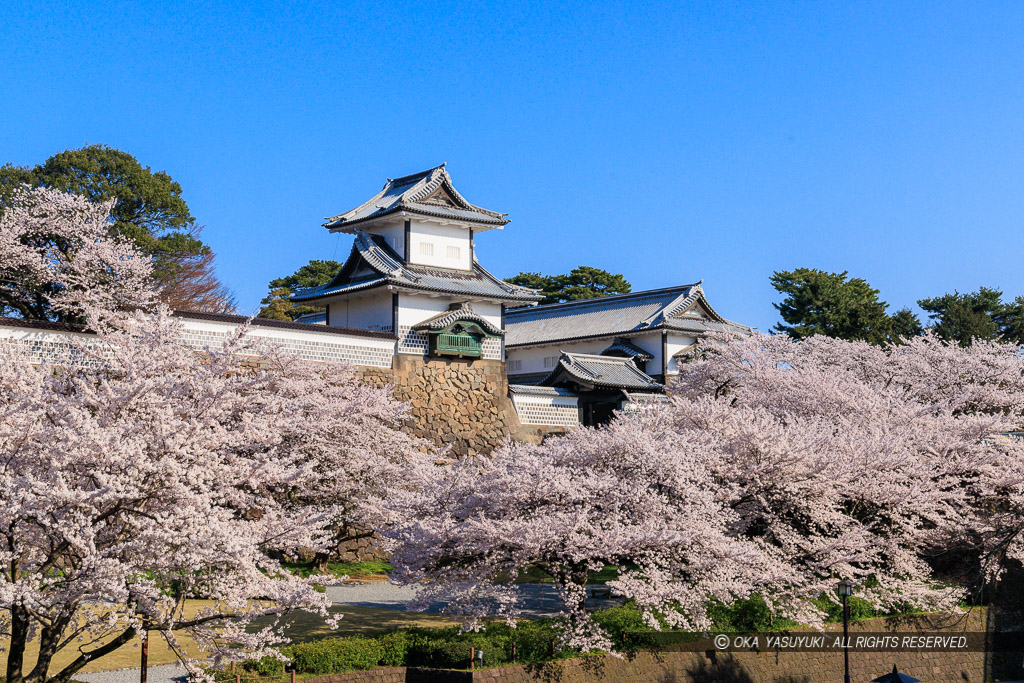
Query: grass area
(537, 575)
(370, 569)
(357, 621)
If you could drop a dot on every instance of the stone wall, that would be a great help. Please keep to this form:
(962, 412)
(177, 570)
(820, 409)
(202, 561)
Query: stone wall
(463, 404)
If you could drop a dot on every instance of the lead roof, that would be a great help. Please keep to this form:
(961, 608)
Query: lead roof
(601, 372)
(684, 308)
(388, 268)
(428, 193)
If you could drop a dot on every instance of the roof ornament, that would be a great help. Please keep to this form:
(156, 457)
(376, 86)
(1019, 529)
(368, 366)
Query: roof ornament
(407, 194)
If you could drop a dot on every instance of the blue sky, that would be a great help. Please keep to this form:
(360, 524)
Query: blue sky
(666, 141)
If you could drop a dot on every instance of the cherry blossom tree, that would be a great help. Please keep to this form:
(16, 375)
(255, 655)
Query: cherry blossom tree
(165, 476)
(631, 494)
(776, 467)
(57, 258)
(860, 462)
(137, 473)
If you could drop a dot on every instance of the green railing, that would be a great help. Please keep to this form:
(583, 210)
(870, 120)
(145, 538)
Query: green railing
(457, 345)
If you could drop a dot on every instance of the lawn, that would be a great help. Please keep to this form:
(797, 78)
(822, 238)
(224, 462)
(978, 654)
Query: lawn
(369, 570)
(536, 575)
(357, 621)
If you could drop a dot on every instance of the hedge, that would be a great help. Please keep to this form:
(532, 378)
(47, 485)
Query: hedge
(531, 641)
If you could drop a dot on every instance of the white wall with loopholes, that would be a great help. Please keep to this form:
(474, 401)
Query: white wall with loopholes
(541, 407)
(57, 347)
(51, 347)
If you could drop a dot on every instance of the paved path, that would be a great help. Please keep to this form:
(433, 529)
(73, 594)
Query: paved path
(539, 600)
(165, 673)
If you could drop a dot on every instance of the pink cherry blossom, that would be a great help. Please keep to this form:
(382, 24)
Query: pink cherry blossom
(58, 244)
(776, 468)
(138, 473)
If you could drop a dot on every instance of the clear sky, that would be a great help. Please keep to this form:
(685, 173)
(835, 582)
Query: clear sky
(669, 142)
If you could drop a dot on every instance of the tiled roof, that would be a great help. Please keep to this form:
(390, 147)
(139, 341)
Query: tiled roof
(211, 317)
(623, 347)
(389, 269)
(44, 325)
(463, 312)
(282, 324)
(528, 378)
(609, 372)
(698, 326)
(609, 316)
(533, 389)
(315, 318)
(428, 193)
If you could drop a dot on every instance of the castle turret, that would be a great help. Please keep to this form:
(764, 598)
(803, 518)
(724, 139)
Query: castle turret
(413, 271)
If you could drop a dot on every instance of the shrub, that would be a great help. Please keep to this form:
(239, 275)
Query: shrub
(442, 653)
(626, 627)
(268, 666)
(336, 655)
(394, 646)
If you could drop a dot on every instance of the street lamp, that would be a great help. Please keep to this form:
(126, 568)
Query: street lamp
(845, 590)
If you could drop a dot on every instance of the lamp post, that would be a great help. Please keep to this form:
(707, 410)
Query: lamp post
(144, 663)
(845, 589)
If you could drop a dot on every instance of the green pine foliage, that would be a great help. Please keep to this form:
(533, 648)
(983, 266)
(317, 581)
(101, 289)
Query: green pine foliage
(276, 305)
(582, 282)
(832, 304)
(962, 318)
(150, 211)
(835, 305)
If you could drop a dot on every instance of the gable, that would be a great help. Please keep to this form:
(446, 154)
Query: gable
(699, 309)
(441, 197)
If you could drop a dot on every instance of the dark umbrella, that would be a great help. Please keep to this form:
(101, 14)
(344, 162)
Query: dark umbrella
(895, 677)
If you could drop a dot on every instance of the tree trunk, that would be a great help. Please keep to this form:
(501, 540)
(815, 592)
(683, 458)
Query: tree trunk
(49, 639)
(65, 674)
(16, 652)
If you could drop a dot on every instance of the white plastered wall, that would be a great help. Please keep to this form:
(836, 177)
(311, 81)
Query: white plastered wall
(371, 312)
(393, 233)
(440, 238)
(415, 308)
(312, 344)
(674, 344)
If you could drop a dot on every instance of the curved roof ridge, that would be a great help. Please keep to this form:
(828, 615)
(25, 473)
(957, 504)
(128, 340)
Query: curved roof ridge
(411, 193)
(507, 286)
(606, 371)
(419, 174)
(463, 312)
(623, 345)
(596, 357)
(388, 268)
(379, 258)
(597, 300)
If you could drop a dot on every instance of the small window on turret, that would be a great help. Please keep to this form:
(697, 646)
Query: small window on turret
(426, 248)
(455, 253)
